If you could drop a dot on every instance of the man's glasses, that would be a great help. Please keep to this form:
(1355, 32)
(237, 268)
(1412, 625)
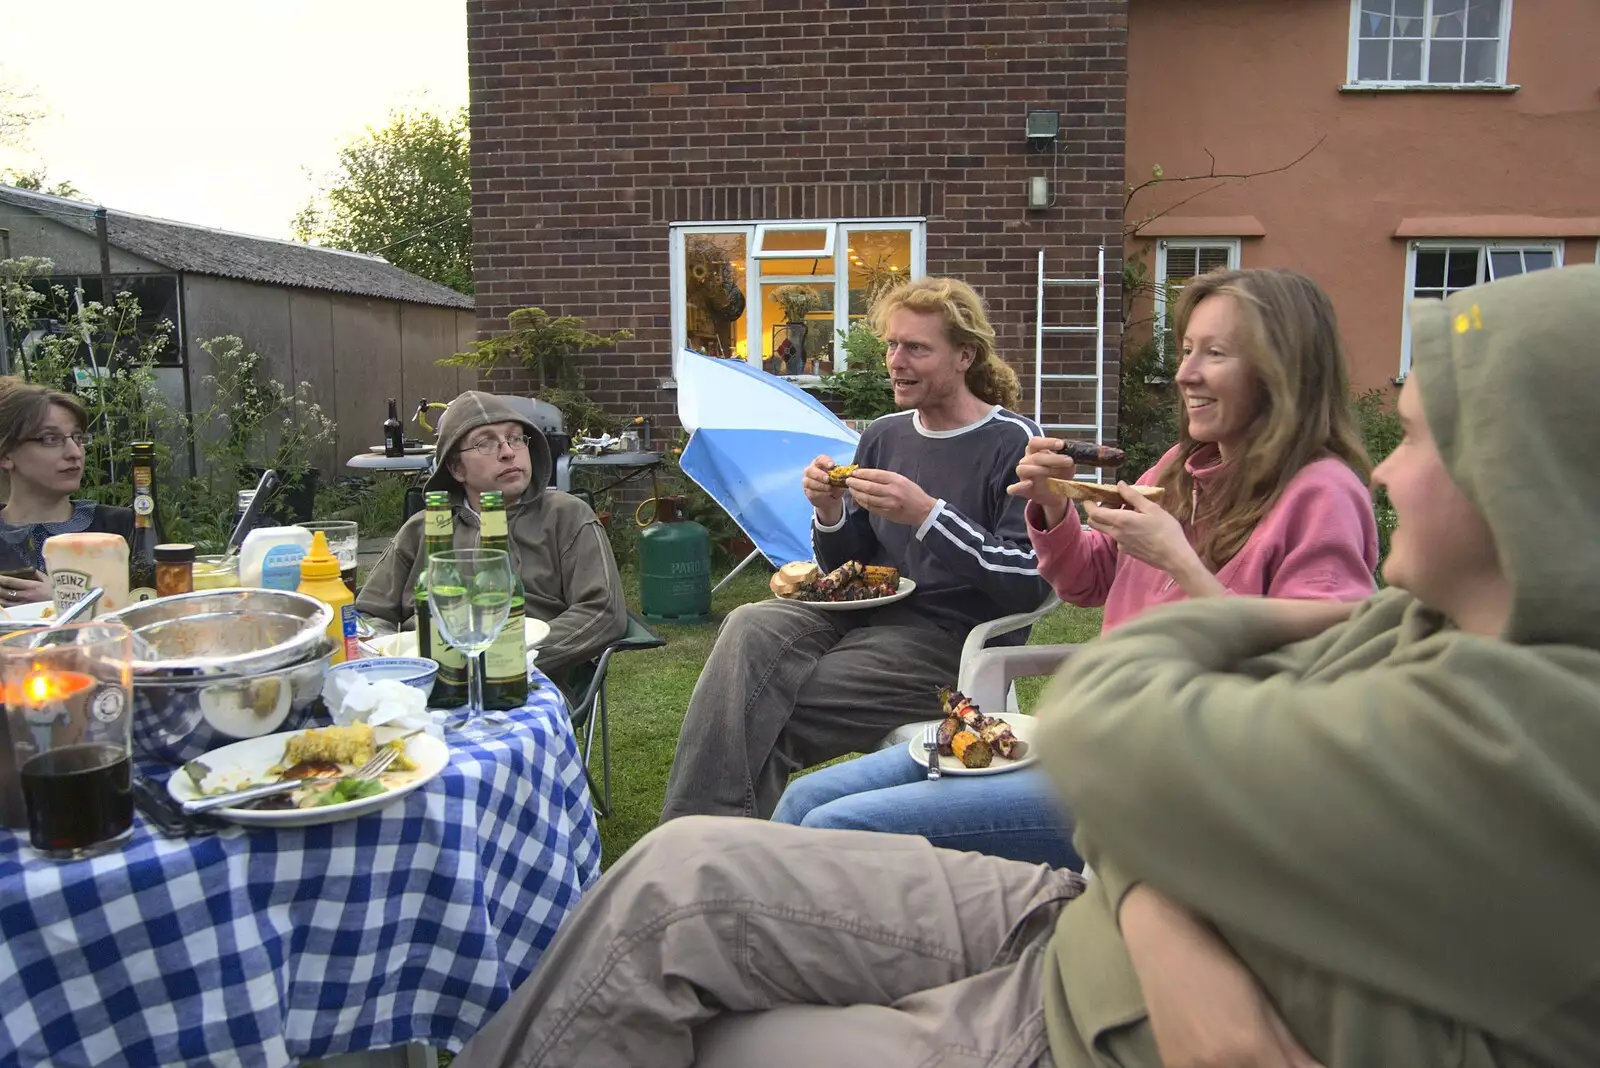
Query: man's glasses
(490, 446)
(51, 440)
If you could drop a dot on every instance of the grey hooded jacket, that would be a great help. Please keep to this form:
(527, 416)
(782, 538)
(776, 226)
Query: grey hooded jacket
(557, 544)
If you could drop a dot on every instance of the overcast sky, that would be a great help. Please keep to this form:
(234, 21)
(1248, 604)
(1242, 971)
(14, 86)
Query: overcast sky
(220, 112)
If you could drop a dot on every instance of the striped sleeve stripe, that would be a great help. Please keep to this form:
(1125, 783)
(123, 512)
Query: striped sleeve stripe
(988, 565)
(977, 536)
(1033, 429)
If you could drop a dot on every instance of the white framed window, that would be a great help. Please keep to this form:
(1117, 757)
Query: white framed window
(778, 241)
(731, 284)
(1429, 42)
(1180, 259)
(1436, 269)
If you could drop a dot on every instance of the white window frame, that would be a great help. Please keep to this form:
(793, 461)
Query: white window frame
(1234, 246)
(1553, 245)
(1353, 68)
(758, 251)
(754, 278)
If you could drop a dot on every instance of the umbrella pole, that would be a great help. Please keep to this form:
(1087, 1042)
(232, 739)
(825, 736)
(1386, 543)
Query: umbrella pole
(740, 567)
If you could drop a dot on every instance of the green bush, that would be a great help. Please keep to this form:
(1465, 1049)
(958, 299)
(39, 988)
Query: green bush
(102, 355)
(378, 503)
(862, 388)
(1380, 432)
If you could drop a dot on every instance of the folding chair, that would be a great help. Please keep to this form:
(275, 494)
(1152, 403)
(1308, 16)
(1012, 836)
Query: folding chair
(590, 707)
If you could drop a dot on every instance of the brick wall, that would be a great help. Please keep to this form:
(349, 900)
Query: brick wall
(597, 125)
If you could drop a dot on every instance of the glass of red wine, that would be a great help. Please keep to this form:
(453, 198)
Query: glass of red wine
(69, 714)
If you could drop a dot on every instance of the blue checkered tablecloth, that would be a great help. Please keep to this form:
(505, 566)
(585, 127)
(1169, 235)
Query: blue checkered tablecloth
(411, 924)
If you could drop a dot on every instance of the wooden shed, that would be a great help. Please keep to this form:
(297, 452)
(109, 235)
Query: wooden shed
(357, 328)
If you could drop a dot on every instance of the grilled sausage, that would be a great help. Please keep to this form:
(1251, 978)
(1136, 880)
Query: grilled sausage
(1092, 455)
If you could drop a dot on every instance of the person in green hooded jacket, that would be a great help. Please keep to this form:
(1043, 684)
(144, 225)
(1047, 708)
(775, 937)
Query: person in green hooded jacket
(1319, 835)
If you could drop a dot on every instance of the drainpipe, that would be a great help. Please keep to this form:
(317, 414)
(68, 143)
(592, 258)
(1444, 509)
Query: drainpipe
(106, 296)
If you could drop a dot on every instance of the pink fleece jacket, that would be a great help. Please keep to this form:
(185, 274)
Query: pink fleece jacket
(1318, 542)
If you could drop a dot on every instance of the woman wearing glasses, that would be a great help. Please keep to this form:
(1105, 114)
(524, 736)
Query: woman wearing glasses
(42, 442)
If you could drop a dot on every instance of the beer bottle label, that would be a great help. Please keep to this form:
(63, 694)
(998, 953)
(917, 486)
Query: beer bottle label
(506, 662)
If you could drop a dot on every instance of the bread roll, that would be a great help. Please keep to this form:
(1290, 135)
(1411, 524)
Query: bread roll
(1099, 494)
(787, 580)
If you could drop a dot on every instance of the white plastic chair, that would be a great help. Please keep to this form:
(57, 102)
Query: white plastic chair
(988, 676)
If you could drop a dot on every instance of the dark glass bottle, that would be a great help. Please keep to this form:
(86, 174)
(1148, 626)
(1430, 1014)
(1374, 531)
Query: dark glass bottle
(147, 532)
(394, 438)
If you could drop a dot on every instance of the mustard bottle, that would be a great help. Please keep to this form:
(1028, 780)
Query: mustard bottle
(319, 578)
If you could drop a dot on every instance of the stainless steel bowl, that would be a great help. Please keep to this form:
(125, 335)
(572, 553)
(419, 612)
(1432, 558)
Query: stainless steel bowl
(177, 720)
(234, 633)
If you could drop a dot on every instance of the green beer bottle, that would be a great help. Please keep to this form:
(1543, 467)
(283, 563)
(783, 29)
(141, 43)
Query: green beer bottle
(505, 675)
(450, 685)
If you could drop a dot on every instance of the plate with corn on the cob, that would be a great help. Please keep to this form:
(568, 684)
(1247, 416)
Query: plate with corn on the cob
(850, 586)
(971, 743)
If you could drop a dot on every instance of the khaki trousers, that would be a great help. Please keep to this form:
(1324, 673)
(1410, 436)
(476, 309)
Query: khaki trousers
(721, 941)
(788, 686)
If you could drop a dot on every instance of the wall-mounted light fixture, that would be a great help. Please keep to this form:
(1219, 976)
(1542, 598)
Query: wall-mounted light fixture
(1043, 129)
(1038, 192)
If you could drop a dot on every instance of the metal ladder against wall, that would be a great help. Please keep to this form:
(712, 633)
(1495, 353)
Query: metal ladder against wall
(1041, 328)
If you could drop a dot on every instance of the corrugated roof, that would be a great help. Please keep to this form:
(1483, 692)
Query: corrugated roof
(195, 249)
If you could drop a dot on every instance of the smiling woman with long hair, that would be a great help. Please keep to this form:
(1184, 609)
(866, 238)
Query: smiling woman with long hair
(1263, 496)
(42, 439)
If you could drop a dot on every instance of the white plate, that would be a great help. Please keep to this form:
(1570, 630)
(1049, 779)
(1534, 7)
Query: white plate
(33, 611)
(907, 586)
(404, 643)
(236, 765)
(411, 450)
(1024, 727)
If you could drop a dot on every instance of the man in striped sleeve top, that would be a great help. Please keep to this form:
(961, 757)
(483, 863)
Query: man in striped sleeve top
(788, 685)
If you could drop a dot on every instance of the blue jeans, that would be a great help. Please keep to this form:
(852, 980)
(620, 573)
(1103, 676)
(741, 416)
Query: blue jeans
(1015, 815)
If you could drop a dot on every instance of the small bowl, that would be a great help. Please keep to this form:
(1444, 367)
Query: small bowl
(415, 671)
(178, 720)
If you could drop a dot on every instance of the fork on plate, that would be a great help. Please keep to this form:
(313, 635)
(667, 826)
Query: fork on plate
(930, 742)
(379, 764)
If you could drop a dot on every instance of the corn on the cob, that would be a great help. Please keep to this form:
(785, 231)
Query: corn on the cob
(877, 575)
(971, 750)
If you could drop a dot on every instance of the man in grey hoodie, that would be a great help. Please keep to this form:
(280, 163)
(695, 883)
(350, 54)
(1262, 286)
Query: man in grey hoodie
(487, 445)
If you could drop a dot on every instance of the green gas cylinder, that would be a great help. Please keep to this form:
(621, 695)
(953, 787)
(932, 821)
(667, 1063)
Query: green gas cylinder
(674, 566)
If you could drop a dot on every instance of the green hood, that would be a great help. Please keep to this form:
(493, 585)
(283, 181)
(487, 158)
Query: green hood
(1393, 824)
(1510, 379)
(474, 409)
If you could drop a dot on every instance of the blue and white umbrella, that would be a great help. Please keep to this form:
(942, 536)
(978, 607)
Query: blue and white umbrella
(751, 435)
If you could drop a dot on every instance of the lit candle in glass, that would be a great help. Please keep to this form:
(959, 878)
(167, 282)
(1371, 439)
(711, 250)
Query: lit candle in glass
(43, 687)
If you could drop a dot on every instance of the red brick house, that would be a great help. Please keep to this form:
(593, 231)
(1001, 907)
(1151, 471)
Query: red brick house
(1451, 142)
(668, 166)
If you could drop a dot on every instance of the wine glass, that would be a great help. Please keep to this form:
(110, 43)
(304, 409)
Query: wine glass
(469, 593)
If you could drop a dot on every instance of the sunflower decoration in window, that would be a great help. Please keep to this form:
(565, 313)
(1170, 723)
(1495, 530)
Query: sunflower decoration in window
(715, 301)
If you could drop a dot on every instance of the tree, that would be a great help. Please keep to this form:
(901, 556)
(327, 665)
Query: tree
(39, 181)
(1147, 417)
(403, 192)
(17, 113)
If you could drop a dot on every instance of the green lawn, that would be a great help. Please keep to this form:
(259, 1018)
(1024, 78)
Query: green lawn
(650, 690)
